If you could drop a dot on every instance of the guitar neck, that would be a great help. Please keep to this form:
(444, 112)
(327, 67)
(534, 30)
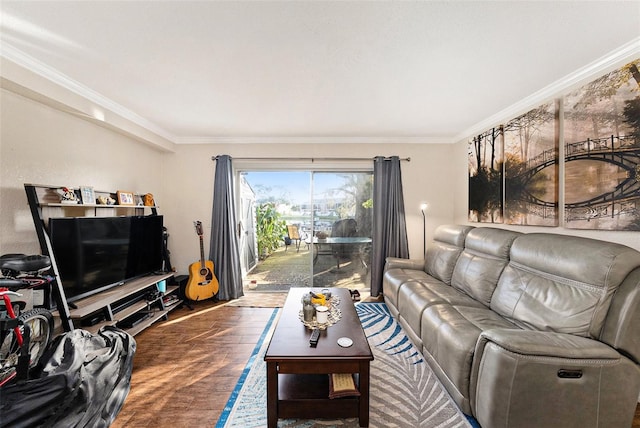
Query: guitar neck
(201, 252)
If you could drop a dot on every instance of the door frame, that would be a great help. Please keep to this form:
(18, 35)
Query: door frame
(292, 165)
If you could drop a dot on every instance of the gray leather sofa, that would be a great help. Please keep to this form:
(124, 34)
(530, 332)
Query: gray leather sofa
(525, 330)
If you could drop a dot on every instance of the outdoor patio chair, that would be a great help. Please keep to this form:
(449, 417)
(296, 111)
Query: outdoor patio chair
(294, 236)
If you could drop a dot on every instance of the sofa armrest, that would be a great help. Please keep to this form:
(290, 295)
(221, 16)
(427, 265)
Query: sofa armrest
(398, 263)
(546, 344)
(622, 325)
(525, 378)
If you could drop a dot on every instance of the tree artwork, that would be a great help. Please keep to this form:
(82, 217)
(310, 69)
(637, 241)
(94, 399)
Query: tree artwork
(531, 168)
(485, 177)
(601, 131)
(602, 152)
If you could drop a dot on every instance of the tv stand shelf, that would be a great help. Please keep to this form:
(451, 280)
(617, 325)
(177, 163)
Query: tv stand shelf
(121, 305)
(87, 306)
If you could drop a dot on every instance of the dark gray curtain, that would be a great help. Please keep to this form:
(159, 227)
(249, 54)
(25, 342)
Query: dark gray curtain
(389, 224)
(223, 249)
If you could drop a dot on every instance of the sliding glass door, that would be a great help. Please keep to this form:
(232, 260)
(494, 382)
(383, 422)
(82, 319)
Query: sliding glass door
(312, 229)
(342, 219)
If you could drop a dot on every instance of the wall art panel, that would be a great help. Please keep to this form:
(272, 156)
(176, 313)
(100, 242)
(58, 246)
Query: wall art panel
(602, 152)
(486, 176)
(531, 167)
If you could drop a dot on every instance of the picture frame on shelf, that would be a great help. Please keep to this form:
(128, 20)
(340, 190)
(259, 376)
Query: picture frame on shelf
(87, 195)
(125, 198)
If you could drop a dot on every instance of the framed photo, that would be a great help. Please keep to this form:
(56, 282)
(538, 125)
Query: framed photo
(125, 198)
(87, 195)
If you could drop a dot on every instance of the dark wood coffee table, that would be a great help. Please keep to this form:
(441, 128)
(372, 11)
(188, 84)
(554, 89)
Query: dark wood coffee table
(297, 374)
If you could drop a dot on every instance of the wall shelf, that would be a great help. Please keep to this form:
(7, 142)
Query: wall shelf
(62, 205)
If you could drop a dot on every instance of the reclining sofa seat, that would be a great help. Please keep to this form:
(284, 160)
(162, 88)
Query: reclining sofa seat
(438, 264)
(525, 329)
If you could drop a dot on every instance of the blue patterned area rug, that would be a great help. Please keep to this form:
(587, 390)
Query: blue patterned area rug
(404, 390)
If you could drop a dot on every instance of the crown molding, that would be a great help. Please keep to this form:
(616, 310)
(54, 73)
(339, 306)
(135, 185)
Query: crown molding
(316, 140)
(611, 61)
(56, 77)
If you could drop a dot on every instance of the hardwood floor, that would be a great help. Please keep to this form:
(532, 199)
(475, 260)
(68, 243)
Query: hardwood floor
(186, 368)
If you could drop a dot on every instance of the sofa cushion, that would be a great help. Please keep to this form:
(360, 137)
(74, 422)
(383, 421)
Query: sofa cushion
(394, 279)
(431, 292)
(562, 283)
(443, 254)
(485, 255)
(449, 335)
(415, 296)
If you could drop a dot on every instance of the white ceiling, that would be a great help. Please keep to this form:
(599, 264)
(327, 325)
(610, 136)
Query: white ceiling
(201, 71)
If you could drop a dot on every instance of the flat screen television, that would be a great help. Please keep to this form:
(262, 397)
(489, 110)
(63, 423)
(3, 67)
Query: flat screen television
(96, 253)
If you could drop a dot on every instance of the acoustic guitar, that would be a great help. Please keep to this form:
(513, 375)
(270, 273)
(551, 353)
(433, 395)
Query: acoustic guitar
(203, 283)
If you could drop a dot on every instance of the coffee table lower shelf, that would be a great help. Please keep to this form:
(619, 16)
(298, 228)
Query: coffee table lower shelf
(306, 396)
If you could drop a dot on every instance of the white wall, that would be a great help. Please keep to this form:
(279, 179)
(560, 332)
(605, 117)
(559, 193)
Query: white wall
(460, 175)
(42, 145)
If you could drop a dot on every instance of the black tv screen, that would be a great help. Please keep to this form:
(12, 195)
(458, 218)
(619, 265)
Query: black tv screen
(96, 253)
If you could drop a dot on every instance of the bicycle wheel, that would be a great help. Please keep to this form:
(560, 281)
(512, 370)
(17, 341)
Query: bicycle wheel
(9, 352)
(40, 321)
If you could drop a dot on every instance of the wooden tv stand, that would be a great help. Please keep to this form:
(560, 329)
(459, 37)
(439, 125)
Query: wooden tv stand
(125, 305)
(132, 306)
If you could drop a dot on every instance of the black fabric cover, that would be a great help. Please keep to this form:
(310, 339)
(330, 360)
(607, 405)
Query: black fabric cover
(345, 228)
(83, 382)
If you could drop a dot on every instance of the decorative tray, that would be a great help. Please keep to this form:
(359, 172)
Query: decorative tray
(334, 315)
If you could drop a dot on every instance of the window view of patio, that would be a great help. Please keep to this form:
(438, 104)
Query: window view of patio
(310, 229)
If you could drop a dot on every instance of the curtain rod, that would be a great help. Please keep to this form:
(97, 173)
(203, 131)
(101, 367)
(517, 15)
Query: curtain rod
(213, 158)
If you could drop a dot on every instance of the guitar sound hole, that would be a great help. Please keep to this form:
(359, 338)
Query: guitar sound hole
(204, 272)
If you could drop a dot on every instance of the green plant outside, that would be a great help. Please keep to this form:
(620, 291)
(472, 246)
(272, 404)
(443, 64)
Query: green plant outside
(270, 229)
